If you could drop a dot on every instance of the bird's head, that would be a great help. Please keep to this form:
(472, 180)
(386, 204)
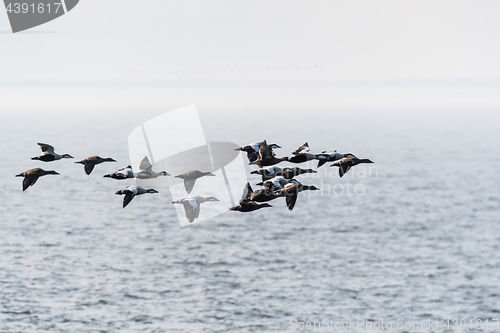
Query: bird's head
(152, 191)
(211, 199)
(163, 173)
(66, 156)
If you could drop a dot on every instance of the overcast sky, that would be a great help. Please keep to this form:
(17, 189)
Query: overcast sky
(251, 42)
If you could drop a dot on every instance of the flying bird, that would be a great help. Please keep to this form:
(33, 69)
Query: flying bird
(48, 154)
(266, 156)
(276, 183)
(123, 173)
(31, 176)
(146, 170)
(260, 195)
(92, 161)
(190, 178)
(345, 164)
(252, 149)
(273, 171)
(303, 154)
(246, 204)
(331, 156)
(132, 191)
(192, 205)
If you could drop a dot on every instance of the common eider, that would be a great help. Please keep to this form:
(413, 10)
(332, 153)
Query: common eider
(192, 205)
(331, 156)
(288, 173)
(276, 183)
(31, 176)
(146, 171)
(123, 173)
(92, 161)
(131, 191)
(345, 164)
(266, 156)
(190, 178)
(260, 195)
(252, 149)
(48, 154)
(303, 154)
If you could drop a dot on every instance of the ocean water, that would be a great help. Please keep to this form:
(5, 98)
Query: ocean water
(411, 239)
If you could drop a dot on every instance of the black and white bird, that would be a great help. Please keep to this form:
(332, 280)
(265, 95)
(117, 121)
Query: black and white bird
(190, 178)
(132, 191)
(123, 173)
(252, 149)
(92, 161)
(276, 183)
(192, 205)
(266, 156)
(291, 191)
(303, 154)
(346, 164)
(331, 156)
(48, 154)
(31, 176)
(274, 171)
(146, 170)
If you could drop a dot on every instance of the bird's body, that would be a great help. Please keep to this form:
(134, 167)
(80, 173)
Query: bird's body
(48, 154)
(259, 195)
(190, 178)
(274, 171)
(346, 164)
(302, 154)
(31, 176)
(291, 191)
(92, 161)
(246, 204)
(123, 173)
(146, 170)
(266, 156)
(276, 183)
(132, 191)
(252, 149)
(192, 205)
(331, 156)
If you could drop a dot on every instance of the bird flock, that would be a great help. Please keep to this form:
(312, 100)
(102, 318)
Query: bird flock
(277, 182)
(280, 182)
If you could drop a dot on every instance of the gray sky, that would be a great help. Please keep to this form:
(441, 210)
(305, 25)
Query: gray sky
(192, 44)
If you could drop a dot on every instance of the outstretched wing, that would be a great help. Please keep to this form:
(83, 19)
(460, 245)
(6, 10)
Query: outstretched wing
(344, 165)
(189, 184)
(48, 149)
(128, 197)
(321, 162)
(191, 213)
(301, 148)
(145, 164)
(89, 166)
(29, 181)
(264, 151)
(247, 192)
(343, 169)
(290, 199)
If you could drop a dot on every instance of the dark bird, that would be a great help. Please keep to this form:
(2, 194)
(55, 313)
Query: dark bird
(192, 205)
(31, 176)
(146, 170)
(132, 191)
(345, 164)
(291, 192)
(259, 195)
(190, 178)
(247, 205)
(266, 156)
(302, 154)
(273, 171)
(331, 156)
(91, 162)
(48, 154)
(252, 149)
(123, 173)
